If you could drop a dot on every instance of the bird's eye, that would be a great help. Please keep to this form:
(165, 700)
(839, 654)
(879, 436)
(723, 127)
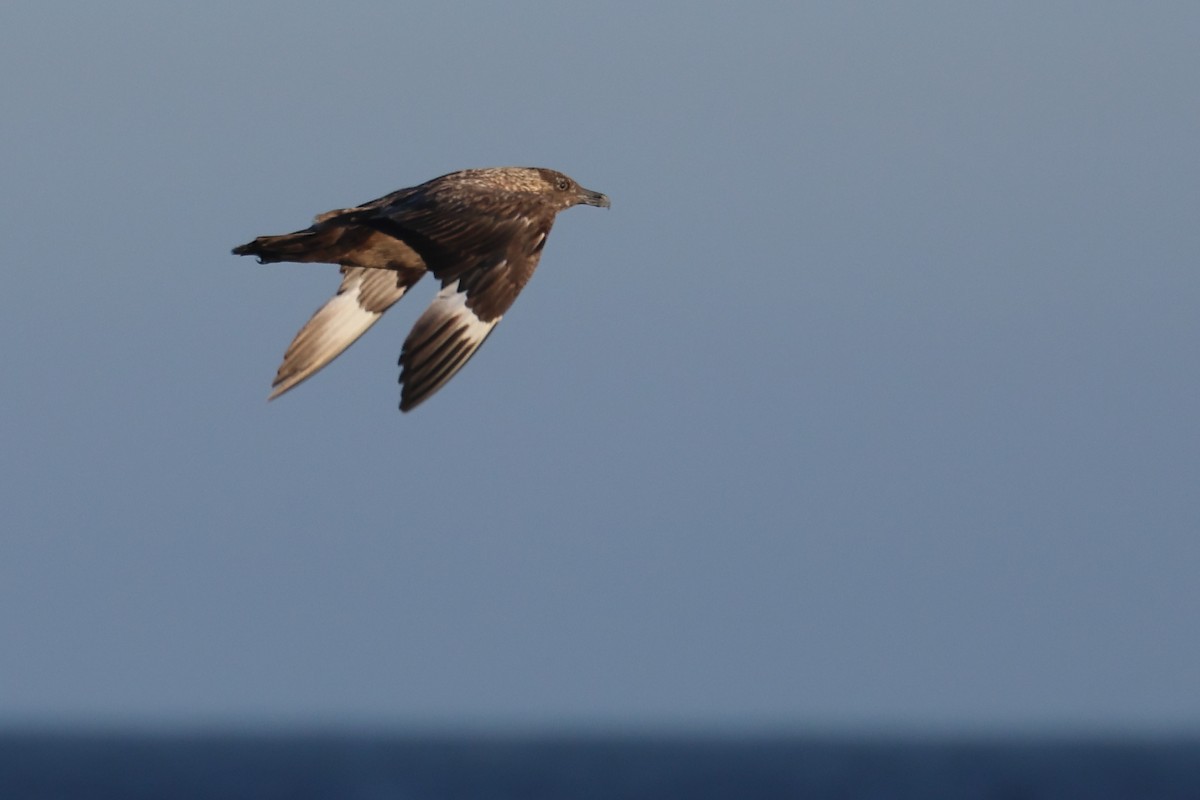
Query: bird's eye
(563, 184)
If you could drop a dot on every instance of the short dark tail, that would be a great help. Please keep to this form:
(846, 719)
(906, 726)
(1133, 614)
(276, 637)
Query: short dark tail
(305, 245)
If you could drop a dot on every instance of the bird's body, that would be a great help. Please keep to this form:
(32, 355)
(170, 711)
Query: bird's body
(479, 231)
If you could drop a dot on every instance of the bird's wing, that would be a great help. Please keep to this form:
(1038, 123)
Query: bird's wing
(360, 301)
(484, 258)
(440, 343)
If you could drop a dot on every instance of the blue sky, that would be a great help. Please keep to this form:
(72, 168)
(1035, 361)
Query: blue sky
(871, 402)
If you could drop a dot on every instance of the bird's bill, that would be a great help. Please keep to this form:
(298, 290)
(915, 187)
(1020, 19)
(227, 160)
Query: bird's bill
(594, 198)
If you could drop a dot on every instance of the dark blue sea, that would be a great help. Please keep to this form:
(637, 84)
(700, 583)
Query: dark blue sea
(323, 767)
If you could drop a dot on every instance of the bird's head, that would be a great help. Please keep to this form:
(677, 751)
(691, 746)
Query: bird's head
(570, 193)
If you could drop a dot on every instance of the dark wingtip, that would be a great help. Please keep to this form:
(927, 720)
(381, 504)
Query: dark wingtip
(407, 401)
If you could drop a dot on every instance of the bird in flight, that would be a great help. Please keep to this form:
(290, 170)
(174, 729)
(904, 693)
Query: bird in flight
(479, 231)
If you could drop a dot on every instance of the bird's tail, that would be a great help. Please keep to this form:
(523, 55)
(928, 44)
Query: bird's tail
(331, 236)
(306, 245)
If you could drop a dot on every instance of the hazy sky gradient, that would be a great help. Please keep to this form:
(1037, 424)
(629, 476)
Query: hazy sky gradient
(872, 400)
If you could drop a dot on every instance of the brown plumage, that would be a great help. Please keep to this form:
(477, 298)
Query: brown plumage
(479, 231)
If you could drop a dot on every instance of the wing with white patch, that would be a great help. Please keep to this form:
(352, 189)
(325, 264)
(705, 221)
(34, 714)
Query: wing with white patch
(440, 343)
(484, 247)
(359, 303)
(481, 241)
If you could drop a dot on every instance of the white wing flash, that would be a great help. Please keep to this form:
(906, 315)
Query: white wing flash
(338, 324)
(440, 343)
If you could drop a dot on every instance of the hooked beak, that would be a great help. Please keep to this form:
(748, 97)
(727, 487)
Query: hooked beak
(591, 198)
